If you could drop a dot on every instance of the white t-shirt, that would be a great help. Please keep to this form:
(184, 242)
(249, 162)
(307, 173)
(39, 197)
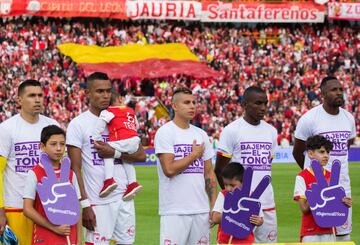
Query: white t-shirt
(184, 193)
(252, 146)
(336, 128)
(31, 182)
(79, 134)
(20, 144)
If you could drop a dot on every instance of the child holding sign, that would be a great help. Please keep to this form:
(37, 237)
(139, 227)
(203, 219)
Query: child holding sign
(45, 232)
(318, 148)
(232, 175)
(121, 123)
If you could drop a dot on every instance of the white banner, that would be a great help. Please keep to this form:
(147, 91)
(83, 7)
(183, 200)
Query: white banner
(163, 10)
(344, 11)
(262, 12)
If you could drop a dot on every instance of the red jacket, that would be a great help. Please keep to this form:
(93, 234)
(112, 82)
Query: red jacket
(123, 125)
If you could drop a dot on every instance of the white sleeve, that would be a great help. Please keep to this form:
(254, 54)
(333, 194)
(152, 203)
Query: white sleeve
(226, 144)
(300, 188)
(99, 129)
(274, 144)
(30, 186)
(353, 128)
(219, 203)
(163, 142)
(303, 129)
(106, 115)
(76, 186)
(74, 134)
(209, 152)
(5, 142)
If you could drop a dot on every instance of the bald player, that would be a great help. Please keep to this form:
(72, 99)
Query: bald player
(251, 142)
(336, 125)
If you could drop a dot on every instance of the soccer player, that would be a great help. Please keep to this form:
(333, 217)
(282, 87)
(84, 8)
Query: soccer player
(104, 218)
(52, 143)
(251, 142)
(19, 152)
(336, 125)
(122, 126)
(318, 148)
(186, 178)
(232, 175)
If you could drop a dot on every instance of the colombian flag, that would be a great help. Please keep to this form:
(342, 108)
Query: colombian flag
(138, 60)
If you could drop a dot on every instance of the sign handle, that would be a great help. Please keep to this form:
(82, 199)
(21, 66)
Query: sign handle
(230, 240)
(68, 240)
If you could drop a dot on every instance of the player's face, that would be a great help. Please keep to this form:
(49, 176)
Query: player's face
(54, 147)
(256, 106)
(333, 93)
(184, 106)
(32, 100)
(231, 184)
(99, 94)
(319, 154)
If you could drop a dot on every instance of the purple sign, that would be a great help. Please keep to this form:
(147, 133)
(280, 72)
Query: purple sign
(325, 199)
(58, 196)
(239, 205)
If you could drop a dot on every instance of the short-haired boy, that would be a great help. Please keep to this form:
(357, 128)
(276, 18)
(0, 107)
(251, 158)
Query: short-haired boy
(318, 148)
(232, 175)
(44, 232)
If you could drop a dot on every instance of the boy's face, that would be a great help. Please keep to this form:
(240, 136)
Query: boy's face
(231, 184)
(54, 147)
(319, 154)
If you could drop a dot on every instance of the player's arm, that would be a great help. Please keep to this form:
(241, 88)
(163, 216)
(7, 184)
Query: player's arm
(221, 162)
(88, 215)
(173, 167)
(31, 213)
(210, 182)
(304, 205)
(298, 152)
(106, 151)
(2, 208)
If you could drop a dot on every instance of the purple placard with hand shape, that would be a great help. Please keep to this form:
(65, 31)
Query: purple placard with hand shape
(58, 196)
(239, 205)
(325, 199)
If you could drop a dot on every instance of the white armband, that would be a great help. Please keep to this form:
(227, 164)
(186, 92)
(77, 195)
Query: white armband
(85, 203)
(117, 154)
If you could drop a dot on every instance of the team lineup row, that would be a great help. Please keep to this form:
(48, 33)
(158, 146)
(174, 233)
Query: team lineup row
(105, 186)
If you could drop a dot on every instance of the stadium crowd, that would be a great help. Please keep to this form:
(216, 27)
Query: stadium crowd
(288, 61)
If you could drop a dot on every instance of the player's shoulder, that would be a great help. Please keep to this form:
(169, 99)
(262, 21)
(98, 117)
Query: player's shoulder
(80, 119)
(11, 122)
(169, 126)
(347, 114)
(48, 120)
(234, 126)
(268, 127)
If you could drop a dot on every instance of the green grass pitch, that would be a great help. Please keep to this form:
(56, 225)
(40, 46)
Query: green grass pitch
(288, 214)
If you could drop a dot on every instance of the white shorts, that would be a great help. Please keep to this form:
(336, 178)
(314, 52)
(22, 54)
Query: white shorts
(347, 227)
(267, 232)
(130, 145)
(114, 221)
(319, 238)
(185, 229)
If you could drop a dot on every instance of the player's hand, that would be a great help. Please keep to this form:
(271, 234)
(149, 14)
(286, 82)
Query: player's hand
(89, 218)
(256, 220)
(347, 201)
(63, 230)
(104, 149)
(3, 220)
(197, 150)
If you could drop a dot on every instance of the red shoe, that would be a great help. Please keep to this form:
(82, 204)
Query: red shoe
(131, 191)
(109, 186)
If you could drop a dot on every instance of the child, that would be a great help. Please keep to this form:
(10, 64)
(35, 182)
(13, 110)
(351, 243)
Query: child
(318, 148)
(232, 176)
(44, 232)
(123, 137)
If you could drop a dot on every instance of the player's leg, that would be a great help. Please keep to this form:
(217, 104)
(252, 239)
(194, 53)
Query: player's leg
(267, 232)
(21, 226)
(109, 182)
(175, 229)
(105, 223)
(200, 229)
(343, 232)
(124, 232)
